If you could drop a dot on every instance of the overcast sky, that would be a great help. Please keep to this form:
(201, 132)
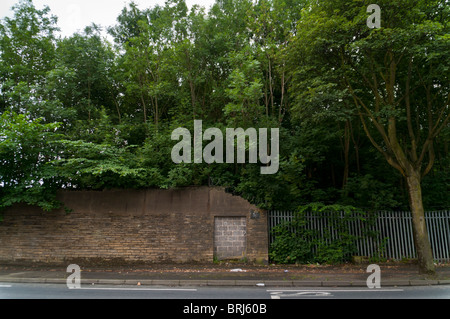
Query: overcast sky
(74, 15)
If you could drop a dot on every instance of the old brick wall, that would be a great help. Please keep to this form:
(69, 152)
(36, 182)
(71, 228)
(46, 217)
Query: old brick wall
(128, 226)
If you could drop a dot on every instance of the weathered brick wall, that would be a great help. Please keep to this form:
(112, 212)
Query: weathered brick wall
(129, 226)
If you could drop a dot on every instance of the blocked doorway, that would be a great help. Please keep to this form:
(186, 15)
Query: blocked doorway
(230, 237)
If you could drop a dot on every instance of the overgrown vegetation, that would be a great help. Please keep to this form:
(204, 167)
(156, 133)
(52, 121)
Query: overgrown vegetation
(363, 113)
(298, 241)
(82, 113)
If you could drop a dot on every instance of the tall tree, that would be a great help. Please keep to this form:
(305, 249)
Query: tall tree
(396, 78)
(83, 64)
(147, 38)
(27, 50)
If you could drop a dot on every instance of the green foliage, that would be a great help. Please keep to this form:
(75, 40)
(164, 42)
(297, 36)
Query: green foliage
(99, 166)
(27, 148)
(82, 113)
(374, 193)
(292, 243)
(27, 50)
(297, 241)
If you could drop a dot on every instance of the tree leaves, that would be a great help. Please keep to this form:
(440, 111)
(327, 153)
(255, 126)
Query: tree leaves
(269, 63)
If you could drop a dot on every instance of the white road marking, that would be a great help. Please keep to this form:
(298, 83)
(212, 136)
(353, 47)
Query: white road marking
(137, 289)
(312, 293)
(333, 290)
(5, 286)
(278, 293)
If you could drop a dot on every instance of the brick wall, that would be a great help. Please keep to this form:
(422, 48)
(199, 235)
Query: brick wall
(129, 226)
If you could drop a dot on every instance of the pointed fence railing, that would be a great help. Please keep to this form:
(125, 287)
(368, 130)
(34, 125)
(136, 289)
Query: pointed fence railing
(382, 234)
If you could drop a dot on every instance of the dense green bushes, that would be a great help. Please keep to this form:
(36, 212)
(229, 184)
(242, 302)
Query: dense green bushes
(297, 241)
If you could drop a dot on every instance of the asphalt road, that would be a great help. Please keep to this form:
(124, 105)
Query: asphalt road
(59, 291)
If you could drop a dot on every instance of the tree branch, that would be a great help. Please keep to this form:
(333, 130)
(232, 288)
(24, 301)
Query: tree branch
(431, 156)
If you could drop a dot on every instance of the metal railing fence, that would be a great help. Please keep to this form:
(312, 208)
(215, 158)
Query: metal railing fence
(383, 234)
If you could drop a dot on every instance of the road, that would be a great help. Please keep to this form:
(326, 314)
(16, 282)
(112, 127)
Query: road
(59, 291)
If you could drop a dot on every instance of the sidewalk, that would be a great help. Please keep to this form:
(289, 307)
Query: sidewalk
(230, 274)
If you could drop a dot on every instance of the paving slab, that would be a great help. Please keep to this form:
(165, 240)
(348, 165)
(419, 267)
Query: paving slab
(221, 275)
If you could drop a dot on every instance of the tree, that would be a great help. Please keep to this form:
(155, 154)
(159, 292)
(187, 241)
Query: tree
(244, 90)
(272, 24)
(80, 77)
(147, 39)
(27, 50)
(27, 148)
(395, 78)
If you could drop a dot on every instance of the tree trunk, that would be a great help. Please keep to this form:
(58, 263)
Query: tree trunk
(117, 108)
(346, 147)
(356, 145)
(421, 240)
(270, 85)
(156, 113)
(145, 108)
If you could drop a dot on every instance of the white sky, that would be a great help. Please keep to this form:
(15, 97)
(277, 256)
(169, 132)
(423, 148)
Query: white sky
(74, 15)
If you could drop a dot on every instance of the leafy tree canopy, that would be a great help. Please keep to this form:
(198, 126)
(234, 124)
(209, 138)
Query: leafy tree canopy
(356, 107)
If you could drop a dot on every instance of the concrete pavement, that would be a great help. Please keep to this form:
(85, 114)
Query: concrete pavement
(228, 274)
